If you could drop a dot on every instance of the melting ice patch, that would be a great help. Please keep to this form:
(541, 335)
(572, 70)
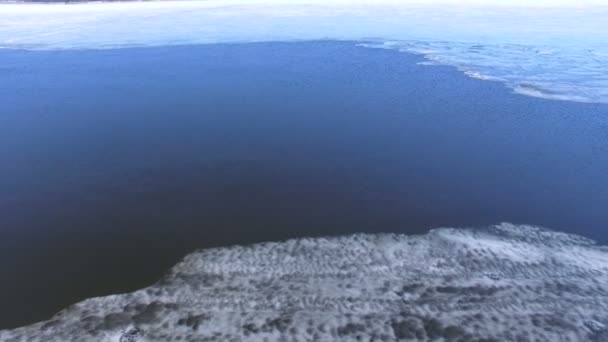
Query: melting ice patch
(553, 49)
(504, 283)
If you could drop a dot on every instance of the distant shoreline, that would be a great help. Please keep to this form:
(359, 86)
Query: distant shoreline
(74, 1)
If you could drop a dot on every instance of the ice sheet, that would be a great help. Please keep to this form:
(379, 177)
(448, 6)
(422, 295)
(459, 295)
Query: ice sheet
(556, 50)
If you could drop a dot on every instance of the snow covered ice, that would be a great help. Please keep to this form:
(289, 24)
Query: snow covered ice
(502, 283)
(550, 49)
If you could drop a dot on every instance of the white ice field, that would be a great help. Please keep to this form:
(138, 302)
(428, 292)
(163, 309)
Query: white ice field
(504, 283)
(550, 49)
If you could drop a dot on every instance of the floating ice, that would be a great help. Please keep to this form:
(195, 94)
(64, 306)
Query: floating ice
(553, 49)
(504, 283)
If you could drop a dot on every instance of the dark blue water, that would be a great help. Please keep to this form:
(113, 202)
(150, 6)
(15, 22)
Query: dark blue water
(115, 164)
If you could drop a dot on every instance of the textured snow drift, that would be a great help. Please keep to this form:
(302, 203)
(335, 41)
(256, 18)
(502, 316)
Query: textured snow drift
(551, 49)
(504, 283)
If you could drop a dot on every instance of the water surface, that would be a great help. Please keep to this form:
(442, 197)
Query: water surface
(116, 163)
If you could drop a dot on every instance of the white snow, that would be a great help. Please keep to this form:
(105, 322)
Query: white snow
(506, 282)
